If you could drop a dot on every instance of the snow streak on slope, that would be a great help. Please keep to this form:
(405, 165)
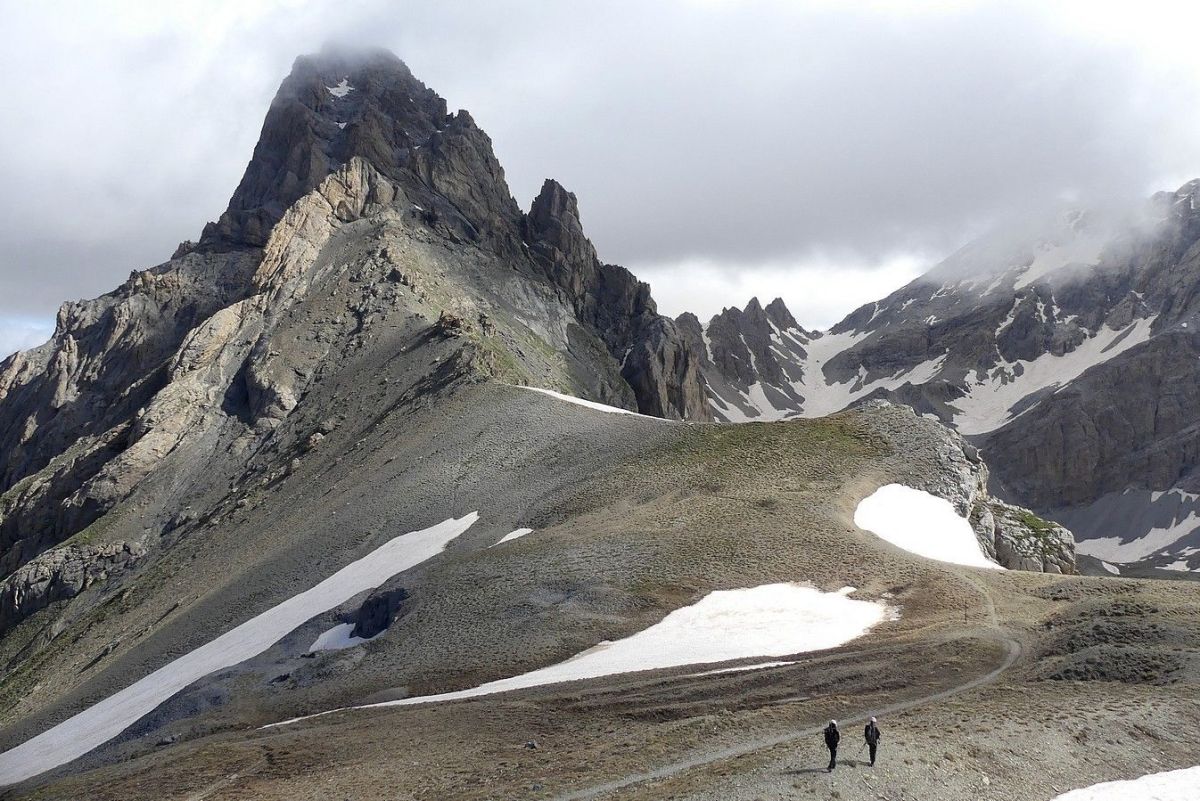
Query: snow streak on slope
(1172, 785)
(922, 524)
(989, 402)
(101, 722)
(600, 407)
(743, 668)
(769, 620)
(1143, 524)
(512, 535)
(822, 397)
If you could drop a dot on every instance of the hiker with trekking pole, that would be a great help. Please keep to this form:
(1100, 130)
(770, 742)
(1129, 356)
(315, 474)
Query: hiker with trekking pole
(872, 735)
(832, 737)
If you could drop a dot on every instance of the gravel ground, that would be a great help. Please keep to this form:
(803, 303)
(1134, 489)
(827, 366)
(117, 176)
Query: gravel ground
(632, 518)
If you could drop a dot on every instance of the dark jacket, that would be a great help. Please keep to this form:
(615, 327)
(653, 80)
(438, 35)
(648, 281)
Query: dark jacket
(872, 734)
(832, 736)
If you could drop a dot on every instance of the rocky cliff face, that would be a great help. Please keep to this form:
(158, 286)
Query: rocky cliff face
(367, 214)
(654, 357)
(1064, 350)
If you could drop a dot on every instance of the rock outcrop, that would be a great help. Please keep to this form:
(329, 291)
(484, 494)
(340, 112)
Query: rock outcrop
(1018, 539)
(1012, 536)
(60, 574)
(345, 104)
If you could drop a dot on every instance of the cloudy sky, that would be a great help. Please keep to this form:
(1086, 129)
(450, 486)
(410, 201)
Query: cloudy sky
(826, 152)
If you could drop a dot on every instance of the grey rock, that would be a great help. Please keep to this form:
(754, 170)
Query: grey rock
(61, 574)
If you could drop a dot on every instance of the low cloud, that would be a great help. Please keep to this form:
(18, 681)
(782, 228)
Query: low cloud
(818, 291)
(747, 138)
(17, 333)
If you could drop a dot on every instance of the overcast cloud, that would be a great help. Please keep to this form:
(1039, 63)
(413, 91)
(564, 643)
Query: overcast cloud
(825, 152)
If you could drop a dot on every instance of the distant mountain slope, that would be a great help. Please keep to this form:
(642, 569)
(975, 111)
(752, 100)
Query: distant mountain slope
(1066, 350)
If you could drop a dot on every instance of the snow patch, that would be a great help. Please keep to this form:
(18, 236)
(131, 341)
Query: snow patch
(1116, 571)
(102, 721)
(764, 621)
(512, 535)
(921, 523)
(1172, 785)
(337, 638)
(341, 90)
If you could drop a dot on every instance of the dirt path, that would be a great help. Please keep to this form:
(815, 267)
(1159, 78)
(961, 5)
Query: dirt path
(995, 633)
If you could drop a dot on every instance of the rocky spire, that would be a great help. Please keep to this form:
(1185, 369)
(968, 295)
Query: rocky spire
(779, 314)
(340, 104)
(655, 357)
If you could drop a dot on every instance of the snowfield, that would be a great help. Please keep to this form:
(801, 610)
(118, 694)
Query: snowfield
(769, 620)
(988, 403)
(1172, 785)
(101, 722)
(921, 523)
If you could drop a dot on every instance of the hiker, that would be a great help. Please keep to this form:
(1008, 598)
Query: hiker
(832, 736)
(872, 735)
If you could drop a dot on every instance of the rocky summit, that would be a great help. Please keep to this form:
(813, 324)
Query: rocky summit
(384, 487)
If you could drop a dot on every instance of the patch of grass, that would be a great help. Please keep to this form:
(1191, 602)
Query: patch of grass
(1034, 523)
(499, 362)
(97, 532)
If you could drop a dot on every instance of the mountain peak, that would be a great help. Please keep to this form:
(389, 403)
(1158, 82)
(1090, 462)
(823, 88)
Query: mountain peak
(554, 221)
(345, 102)
(555, 200)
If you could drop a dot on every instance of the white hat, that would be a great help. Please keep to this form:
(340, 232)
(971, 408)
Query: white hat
(872, 720)
(833, 723)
